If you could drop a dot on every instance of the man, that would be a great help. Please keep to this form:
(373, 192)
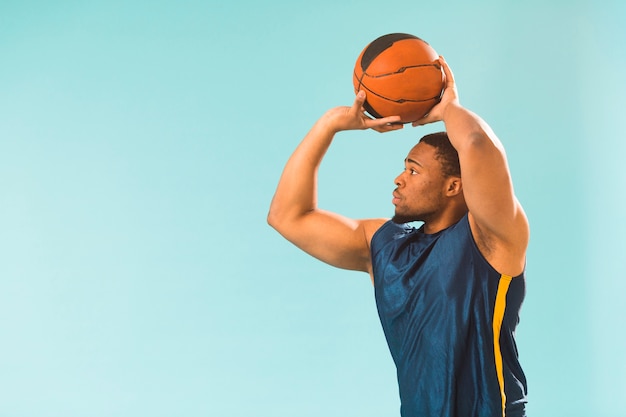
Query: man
(448, 293)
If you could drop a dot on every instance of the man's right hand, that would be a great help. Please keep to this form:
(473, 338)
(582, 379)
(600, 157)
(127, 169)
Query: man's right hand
(354, 118)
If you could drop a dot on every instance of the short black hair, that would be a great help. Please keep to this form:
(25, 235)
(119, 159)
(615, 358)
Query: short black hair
(446, 154)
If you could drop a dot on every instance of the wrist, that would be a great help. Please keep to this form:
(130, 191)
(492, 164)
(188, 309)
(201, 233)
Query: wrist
(328, 123)
(449, 109)
(323, 130)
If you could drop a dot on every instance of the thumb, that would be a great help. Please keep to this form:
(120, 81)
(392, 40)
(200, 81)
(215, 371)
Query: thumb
(360, 99)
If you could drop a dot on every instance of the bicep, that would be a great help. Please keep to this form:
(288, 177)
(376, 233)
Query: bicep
(334, 239)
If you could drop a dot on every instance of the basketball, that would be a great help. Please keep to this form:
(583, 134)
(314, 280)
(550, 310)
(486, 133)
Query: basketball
(401, 76)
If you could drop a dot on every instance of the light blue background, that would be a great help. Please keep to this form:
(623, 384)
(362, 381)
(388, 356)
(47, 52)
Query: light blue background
(140, 144)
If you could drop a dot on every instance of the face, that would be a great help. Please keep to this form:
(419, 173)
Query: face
(420, 191)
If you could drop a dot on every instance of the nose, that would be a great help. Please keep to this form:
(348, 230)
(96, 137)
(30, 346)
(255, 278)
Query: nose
(399, 180)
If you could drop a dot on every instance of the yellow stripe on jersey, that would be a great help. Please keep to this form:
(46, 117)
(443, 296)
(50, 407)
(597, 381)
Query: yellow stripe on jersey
(498, 316)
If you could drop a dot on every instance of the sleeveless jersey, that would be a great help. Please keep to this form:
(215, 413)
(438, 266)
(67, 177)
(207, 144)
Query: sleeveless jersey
(449, 319)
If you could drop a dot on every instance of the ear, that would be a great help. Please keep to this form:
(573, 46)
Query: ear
(454, 186)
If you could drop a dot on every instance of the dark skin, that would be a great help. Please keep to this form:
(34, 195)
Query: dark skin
(498, 223)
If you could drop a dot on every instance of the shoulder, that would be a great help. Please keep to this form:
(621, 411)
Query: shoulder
(372, 226)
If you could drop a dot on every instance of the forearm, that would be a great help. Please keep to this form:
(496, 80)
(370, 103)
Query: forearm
(296, 193)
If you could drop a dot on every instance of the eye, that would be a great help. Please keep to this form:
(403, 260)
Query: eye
(412, 171)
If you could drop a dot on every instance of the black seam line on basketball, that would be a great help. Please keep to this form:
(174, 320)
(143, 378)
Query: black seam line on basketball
(400, 70)
(360, 79)
(402, 100)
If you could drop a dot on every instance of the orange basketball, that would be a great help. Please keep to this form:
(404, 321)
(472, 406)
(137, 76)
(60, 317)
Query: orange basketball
(401, 76)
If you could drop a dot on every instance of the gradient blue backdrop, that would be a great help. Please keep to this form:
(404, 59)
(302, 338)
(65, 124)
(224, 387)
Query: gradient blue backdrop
(140, 144)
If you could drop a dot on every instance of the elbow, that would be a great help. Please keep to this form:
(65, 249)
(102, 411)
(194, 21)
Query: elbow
(276, 217)
(272, 218)
(283, 218)
(279, 222)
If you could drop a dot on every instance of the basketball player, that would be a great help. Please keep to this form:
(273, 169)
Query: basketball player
(449, 293)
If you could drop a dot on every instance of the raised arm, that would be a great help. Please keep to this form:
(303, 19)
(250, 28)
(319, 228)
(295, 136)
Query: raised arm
(498, 222)
(332, 238)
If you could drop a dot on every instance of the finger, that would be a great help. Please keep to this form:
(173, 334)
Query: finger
(424, 120)
(357, 106)
(386, 121)
(385, 124)
(447, 71)
(420, 122)
(388, 127)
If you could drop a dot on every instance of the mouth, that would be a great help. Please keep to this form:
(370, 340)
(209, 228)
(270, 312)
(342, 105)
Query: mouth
(396, 198)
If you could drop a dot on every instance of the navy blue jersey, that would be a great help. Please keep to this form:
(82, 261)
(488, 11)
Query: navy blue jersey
(449, 319)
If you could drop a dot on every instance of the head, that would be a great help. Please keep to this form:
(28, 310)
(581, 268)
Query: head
(430, 189)
(445, 153)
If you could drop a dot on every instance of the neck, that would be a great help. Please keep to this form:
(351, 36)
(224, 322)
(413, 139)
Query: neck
(443, 221)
